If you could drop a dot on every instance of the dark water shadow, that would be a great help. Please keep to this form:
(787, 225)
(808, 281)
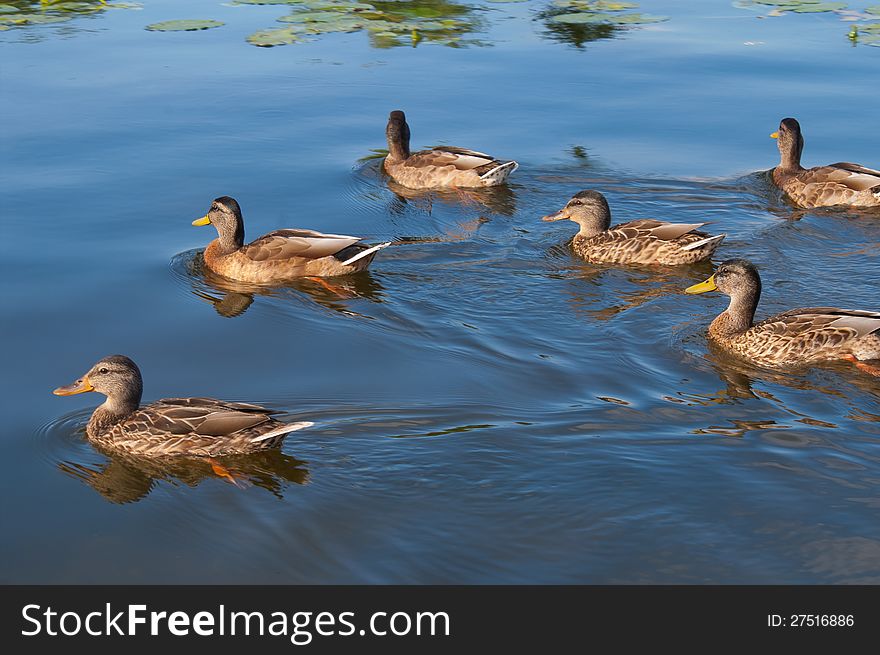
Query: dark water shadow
(498, 199)
(589, 297)
(124, 478)
(128, 479)
(231, 299)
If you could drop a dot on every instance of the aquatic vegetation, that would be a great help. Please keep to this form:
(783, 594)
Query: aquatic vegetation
(22, 13)
(580, 21)
(185, 25)
(388, 24)
(866, 33)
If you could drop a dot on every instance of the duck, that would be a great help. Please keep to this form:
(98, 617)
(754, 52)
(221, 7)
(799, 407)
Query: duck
(281, 255)
(840, 184)
(196, 427)
(792, 338)
(442, 166)
(642, 241)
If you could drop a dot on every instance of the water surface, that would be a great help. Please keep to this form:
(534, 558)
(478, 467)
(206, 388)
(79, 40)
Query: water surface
(487, 408)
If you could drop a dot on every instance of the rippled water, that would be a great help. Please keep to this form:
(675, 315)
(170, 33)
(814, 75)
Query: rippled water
(487, 407)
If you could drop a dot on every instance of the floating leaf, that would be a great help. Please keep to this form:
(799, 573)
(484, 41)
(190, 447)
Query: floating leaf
(312, 17)
(818, 8)
(271, 38)
(185, 25)
(616, 19)
(32, 19)
(337, 6)
(578, 18)
(873, 9)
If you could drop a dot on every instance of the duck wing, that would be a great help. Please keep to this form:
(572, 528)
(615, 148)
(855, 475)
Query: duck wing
(833, 325)
(201, 416)
(450, 157)
(290, 243)
(852, 176)
(647, 227)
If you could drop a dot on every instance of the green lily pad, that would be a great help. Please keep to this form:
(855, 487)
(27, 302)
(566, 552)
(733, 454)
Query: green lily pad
(272, 38)
(818, 8)
(614, 6)
(32, 19)
(616, 19)
(500, 1)
(11, 9)
(77, 7)
(873, 9)
(337, 6)
(637, 19)
(873, 28)
(313, 17)
(185, 25)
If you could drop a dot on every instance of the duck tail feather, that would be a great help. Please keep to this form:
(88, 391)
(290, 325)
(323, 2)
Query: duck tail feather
(284, 429)
(718, 238)
(365, 253)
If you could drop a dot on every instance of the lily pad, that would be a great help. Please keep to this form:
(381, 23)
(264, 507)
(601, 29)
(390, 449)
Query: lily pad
(32, 19)
(873, 9)
(186, 25)
(337, 6)
(313, 17)
(818, 8)
(272, 38)
(617, 19)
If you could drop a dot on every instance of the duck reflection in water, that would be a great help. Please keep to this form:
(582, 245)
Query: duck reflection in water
(651, 282)
(125, 478)
(497, 199)
(231, 298)
(744, 382)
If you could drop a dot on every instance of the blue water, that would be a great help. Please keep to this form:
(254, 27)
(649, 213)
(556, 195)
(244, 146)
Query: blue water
(487, 408)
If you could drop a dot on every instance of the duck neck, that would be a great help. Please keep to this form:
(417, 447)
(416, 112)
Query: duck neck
(114, 410)
(594, 224)
(738, 316)
(231, 240)
(790, 157)
(398, 144)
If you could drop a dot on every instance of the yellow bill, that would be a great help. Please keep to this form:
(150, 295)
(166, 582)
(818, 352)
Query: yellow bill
(702, 287)
(774, 135)
(80, 386)
(204, 220)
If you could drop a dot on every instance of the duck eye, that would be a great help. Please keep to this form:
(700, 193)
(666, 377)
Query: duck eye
(103, 370)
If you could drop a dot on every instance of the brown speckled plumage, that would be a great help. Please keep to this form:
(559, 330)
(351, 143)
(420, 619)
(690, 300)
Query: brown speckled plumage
(843, 184)
(798, 336)
(643, 241)
(200, 427)
(442, 166)
(281, 255)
